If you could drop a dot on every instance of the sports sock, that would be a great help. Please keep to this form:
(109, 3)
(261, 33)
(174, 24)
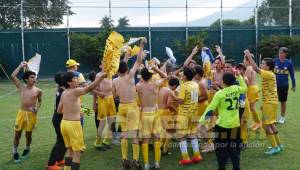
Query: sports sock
(183, 149)
(272, 140)
(277, 138)
(255, 116)
(157, 151)
(195, 146)
(145, 150)
(136, 151)
(124, 148)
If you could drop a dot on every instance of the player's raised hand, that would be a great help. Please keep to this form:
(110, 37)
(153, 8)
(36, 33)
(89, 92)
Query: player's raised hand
(195, 50)
(143, 41)
(104, 75)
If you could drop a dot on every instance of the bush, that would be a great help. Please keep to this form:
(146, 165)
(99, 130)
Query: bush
(269, 46)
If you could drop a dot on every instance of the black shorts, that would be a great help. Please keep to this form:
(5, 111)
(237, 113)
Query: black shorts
(282, 92)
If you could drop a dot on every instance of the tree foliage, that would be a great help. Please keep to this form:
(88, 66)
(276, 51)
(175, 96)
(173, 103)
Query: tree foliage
(123, 22)
(233, 22)
(37, 13)
(269, 46)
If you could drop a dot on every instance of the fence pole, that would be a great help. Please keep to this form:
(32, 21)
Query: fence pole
(149, 30)
(109, 8)
(256, 30)
(22, 30)
(186, 22)
(68, 31)
(290, 17)
(221, 25)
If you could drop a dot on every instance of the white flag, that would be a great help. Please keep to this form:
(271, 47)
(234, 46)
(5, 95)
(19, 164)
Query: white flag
(170, 55)
(34, 63)
(133, 40)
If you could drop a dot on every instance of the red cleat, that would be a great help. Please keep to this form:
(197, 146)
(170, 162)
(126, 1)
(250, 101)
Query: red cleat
(54, 167)
(197, 159)
(185, 162)
(60, 163)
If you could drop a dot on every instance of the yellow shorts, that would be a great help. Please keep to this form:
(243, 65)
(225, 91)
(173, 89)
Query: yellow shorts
(167, 119)
(187, 123)
(201, 108)
(253, 93)
(106, 107)
(128, 116)
(150, 124)
(72, 134)
(269, 112)
(25, 121)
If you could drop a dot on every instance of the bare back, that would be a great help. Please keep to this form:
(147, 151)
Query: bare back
(105, 86)
(250, 75)
(29, 97)
(70, 104)
(148, 92)
(163, 97)
(125, 88)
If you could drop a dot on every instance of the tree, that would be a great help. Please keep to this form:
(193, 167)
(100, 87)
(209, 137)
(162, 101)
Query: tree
(233, 22)
(37, 13)
(274, 12)
(106, 23)
(123, 22)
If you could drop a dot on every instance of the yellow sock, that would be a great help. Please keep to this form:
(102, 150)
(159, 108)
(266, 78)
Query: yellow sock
(67, 168)
(124, 148)
(185, 156)
(136, 151)
(98, 140)
(197, 154)
(157, 151)
(255, 116)
(145, 150)
(244, 131)
(166, 145)
(272, 140)
(277, 138)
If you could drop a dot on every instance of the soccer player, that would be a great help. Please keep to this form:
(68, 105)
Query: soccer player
(59, 149)
(167, 110)
(150, 119)
(283, 67)
(253, 92)
(186, 125)
(269, 102)
(70, 126)
(106, 110)
(128, 114)
(31, 99)
(227, 130)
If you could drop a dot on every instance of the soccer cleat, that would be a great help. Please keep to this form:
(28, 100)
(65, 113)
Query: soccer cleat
(54, 167)
(280, 146)
(125, 164)
(273, 151)
(60, 163)
(197, 159)
(16, 158)
(185, 162)
(136, 165)
(99, 145)
(156, 166)
(281, 120)
(147, 167)
(25, 154)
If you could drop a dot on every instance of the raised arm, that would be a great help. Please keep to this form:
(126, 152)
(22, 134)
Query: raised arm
(248, 55)
(220, 53)
(139, 59)
(194, 52)
(85, 90)
(15, 73)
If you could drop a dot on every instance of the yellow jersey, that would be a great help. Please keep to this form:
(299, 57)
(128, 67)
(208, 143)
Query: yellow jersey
(269, 87)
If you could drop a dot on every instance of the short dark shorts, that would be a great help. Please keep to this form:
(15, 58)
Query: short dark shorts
(282, 92)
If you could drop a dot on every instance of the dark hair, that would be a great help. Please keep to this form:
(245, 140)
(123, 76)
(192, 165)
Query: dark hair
(92, 75)
(123, 68)
(199, 70)
(284, 50)
(270, 63)
(27, 74)
(174, 82)
(58, 78)
(189, 73)
(229, 79)
(230, 61)
(67, 77)
(241, 66)
(146, 75)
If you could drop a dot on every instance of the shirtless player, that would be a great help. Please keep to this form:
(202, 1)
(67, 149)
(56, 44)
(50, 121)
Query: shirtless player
(31, 99)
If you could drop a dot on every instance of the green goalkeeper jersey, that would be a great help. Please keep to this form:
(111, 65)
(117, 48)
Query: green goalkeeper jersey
(227, 103)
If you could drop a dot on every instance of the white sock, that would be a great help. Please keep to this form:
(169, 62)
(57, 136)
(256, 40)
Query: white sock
(15, 150)
(27, 147)
(195, 145)
(183, 146)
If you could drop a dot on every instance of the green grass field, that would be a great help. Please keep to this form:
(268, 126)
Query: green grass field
(44, 137)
